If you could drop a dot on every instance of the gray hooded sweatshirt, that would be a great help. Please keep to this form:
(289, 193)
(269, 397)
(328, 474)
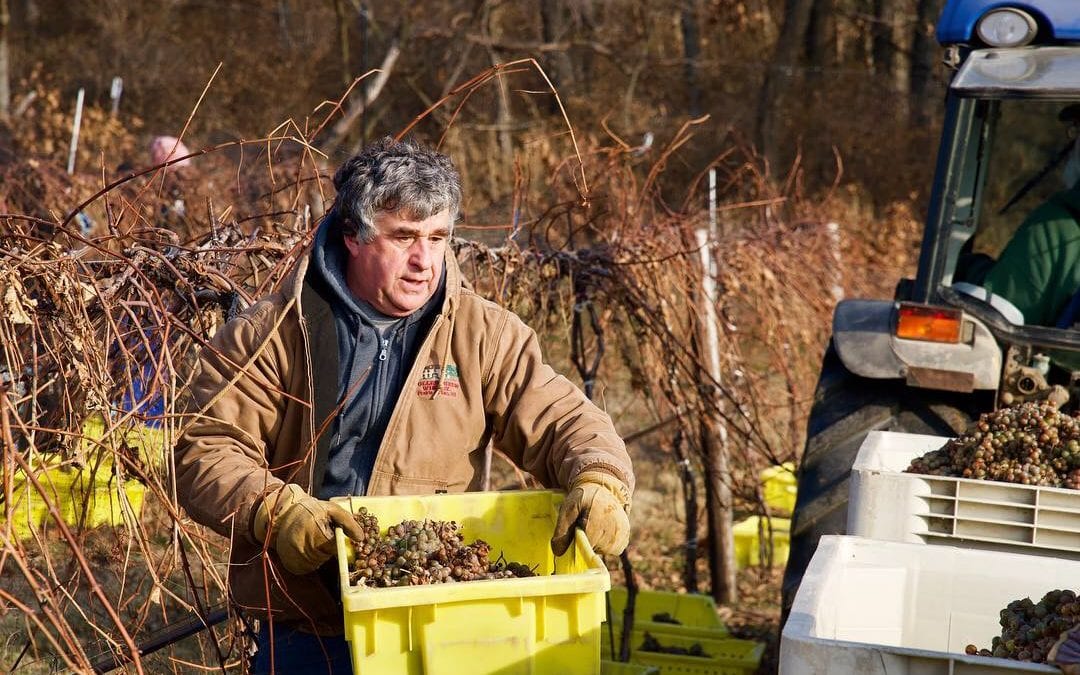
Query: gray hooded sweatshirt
(376, 353)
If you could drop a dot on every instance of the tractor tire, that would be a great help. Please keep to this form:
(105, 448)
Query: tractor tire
(846, 408)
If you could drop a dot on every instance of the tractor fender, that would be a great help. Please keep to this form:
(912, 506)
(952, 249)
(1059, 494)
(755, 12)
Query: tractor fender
(864, 335)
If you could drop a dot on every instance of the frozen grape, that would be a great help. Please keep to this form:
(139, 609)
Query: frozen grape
(1030, 444)
(415, 552)
(1029, 629)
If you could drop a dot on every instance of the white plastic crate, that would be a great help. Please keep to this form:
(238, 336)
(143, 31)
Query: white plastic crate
(871, 607)
(886, 503)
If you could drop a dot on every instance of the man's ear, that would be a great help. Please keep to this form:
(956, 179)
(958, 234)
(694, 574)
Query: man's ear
(352, 243)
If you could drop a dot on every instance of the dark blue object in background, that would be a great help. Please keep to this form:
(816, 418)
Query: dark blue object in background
(153, 408)
(141, 346)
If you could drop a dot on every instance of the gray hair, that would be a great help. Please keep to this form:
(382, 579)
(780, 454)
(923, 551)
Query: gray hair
(396, 177)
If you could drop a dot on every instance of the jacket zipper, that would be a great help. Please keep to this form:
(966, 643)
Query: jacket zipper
(410, 381)
(408, 386)
(380, 375)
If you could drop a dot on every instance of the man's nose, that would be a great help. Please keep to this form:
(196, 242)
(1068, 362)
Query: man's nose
(420, 255)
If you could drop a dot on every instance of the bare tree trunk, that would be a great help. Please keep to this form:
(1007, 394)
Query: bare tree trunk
(505, 122)
(283, 22)
(883, 31)
(686, 475)
(691, 52)
(554, 28)
(718, 512)
(343, 40)
(890, 46)
(363, 22)
(821, 37)
(501, 163)
(924, 56)
(586, 56)
(639, 57)
(780, 75)
(361, 102)
(5, 62)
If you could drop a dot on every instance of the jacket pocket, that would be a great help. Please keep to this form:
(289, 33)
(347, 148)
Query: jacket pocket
(407, 485)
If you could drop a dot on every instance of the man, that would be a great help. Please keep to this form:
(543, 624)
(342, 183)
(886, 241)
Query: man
(374, 370)
(1039, 270)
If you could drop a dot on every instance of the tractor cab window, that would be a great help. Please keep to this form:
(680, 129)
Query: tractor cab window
(1024, 174)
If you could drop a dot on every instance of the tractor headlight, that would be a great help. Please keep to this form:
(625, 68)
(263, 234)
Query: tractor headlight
(1006, 28)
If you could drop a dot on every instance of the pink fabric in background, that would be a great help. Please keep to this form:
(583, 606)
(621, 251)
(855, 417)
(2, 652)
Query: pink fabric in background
(162, 149)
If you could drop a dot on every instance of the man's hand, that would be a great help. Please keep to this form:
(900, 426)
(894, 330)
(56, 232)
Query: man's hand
(597, 502)
(300, 528)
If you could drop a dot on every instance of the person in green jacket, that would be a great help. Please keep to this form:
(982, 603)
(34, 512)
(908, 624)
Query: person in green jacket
(1039, 270)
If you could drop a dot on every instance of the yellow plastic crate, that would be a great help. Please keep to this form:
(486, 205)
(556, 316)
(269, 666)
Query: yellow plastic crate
(747, 550)
(695, 613)
(80, 499)
(726, 656)
(619, 668)
(149, 442)
(544, 624)
(778, 487)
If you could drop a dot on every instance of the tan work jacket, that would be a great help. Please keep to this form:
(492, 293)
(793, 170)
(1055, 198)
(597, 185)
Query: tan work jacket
(263, 404)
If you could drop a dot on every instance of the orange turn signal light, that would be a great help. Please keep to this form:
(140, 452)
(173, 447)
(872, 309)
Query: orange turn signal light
(930, 324)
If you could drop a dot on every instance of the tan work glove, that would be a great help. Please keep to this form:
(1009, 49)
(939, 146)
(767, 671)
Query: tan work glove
(300, 527)
(1065, 653)
(597, 502)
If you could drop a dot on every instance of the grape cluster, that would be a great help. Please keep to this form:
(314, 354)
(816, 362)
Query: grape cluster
(414, 553)
(1029, 629)
(1031, 444)
(651, 644)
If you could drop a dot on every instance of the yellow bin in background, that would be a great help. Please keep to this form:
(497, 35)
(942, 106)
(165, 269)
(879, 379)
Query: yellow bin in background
(81, 498)
(748, 552)
(695, 613)
(779, 487)
(617, 668)
(150, 442)
(723, 656)
(549, 623)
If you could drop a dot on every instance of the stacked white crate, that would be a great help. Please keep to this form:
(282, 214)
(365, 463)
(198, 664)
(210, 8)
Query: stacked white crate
(879, 601)
(886, 503)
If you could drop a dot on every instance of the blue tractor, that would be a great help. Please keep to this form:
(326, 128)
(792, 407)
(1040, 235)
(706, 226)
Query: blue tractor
(944, 349)
(1001, 23)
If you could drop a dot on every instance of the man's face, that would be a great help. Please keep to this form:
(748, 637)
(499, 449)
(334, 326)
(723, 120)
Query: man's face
(400, 269)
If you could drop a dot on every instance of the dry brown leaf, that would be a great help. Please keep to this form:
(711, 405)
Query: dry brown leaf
(16, 305)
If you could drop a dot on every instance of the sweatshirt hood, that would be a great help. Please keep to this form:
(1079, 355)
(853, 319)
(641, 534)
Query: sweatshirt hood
(328, 259)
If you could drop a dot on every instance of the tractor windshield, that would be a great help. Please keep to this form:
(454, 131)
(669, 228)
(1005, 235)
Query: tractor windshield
(1025, 161)
(1008, 207)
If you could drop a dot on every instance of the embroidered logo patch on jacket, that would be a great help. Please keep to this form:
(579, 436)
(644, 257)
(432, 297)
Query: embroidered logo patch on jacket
(430, 383)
